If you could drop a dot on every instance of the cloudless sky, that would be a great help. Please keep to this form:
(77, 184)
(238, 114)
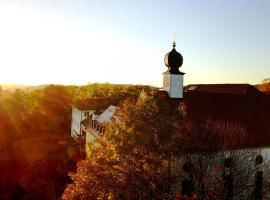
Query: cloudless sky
(124, 41)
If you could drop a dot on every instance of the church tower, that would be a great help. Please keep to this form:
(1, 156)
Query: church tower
(173, 79)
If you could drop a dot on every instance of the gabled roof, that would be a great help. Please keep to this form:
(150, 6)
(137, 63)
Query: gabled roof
(104, 116)
(107, 114)
(100, 103)
(100, 120)
(238, 89)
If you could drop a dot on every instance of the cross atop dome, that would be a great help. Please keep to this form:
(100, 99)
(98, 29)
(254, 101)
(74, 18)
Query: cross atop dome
(174, 44)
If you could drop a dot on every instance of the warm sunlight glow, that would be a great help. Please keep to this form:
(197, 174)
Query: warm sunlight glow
(134, 99)
(38, 49)
(80, 42)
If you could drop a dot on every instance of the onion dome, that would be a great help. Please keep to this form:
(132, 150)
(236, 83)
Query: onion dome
(173, 60)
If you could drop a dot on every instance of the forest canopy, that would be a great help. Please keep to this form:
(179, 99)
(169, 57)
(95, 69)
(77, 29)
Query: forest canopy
(36, 150)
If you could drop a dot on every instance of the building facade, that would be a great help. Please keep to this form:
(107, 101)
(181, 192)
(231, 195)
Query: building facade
(89, 119)
(240, 104)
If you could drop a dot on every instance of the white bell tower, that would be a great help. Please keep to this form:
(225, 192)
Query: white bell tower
(173, 79)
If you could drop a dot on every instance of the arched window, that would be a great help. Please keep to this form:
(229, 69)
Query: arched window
(228, 178)
(258, 160)
(187, 183)
(187, 167)
(258, 190)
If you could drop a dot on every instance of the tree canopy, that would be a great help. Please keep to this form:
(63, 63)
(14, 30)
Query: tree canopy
(266, 80)
(36, 150)
(132, 158)
(141, 154)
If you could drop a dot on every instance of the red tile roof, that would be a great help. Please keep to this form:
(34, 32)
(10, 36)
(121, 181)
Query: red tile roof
(242, 104)
(240, 89)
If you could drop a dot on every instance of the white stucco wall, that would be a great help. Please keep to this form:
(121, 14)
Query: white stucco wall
(263, 151)
(77, 117)
(173, 84)
(166, 82)
(244, 160)
(176, 88)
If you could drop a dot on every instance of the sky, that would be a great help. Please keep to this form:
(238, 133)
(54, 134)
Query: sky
(124, 41)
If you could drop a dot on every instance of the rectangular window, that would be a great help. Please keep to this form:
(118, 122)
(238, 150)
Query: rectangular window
(86, 114)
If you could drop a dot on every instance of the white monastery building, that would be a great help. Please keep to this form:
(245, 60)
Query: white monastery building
(237, 103)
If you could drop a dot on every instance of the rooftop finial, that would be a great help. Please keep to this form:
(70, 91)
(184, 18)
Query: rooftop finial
(174, 44)
(173, 60)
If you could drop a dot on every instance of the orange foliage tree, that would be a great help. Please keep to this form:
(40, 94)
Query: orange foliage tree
(142, 154)
(56, 105)
(131, 161)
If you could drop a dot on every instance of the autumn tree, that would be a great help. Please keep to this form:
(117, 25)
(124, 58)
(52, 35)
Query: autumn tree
(264, 86)
(131, 161)
(150, 148)
(266, 80)
(33, 154)
(46, 175)
(93, 90)
(56, 105)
